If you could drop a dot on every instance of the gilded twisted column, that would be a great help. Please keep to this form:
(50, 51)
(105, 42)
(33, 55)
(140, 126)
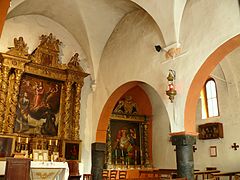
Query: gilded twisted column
(62, 113)
(67, 115)
(76, 115)
(1, 74)
(109, 148)
(3, 94)
(146, 153)
(13, 102)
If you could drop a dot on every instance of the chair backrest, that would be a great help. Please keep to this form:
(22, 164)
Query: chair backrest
(73, 166)
(105, 173)
(17, 168)
(122, 174)
(87, 176)
(113, 174)
(211, 168)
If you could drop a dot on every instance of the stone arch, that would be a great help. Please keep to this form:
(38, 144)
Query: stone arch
(199, 79)
(129, 87)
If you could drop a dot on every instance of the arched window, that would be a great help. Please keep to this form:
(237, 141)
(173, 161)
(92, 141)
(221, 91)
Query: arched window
(209, 99)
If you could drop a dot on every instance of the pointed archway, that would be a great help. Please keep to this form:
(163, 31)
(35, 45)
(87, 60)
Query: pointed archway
(131, 88)
(193, 94)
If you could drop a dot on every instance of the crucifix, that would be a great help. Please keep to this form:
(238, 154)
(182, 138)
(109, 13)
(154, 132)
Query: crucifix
(235, 146)
(194, 148)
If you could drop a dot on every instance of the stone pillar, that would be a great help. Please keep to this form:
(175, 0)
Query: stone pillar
(184, 154)
(98, 159)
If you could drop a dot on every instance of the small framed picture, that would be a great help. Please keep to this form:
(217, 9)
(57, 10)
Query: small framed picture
(37, 155)
(55, 156)
(7, 146)
(45, 155)
(72, 150)
(213, 151)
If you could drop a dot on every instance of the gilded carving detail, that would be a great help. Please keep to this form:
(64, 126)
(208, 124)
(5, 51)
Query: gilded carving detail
(42, 63)
(47, 53)
(76, 114)
(20, 48)
(67, 117)
(44, 175)
(109, 148)
(13, 101)
(3, 94)
(50, 42)
(126, 106)
(74, 62)
(11, 81)
(145, 138)
(48, 72)
(61, 128)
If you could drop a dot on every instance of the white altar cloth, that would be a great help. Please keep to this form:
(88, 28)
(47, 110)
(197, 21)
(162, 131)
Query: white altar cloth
(48, 170)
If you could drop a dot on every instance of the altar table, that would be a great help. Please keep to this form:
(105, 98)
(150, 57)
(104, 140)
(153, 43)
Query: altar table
(44, 170)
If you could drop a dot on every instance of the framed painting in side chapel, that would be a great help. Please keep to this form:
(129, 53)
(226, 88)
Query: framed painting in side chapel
(126, 141)
(38, 107)
(7, 145)
(72, 150)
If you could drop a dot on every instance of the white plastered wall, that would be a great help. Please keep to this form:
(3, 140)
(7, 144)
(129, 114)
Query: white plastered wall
(130, 55)
(228, 97)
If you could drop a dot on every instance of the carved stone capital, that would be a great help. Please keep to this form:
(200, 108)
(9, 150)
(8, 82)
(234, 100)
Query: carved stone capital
(183, 140)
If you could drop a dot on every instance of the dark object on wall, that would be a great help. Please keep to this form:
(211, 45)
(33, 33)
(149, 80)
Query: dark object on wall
(210, 130)
(158, 48)
(6, 146)
(72, 150)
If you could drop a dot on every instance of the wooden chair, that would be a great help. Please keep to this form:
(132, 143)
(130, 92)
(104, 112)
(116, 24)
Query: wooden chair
(17, 168)
(211, 168)
(87, 177)
(209, 176)
(122, 174)
(105, 173)
(156, 173)
(113, 174)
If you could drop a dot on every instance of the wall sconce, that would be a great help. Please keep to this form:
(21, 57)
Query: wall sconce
(171, 91)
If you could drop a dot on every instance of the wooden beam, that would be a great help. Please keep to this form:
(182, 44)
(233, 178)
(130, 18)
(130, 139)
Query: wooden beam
(4, 5)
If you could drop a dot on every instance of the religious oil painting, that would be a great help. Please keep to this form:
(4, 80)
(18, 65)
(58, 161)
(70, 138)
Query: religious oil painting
(6, 146)
(72, 150)
(38, 106)
(125, 142)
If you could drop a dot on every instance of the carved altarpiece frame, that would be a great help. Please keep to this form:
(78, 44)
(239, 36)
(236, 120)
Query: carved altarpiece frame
(125, 117)
(43, 64)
